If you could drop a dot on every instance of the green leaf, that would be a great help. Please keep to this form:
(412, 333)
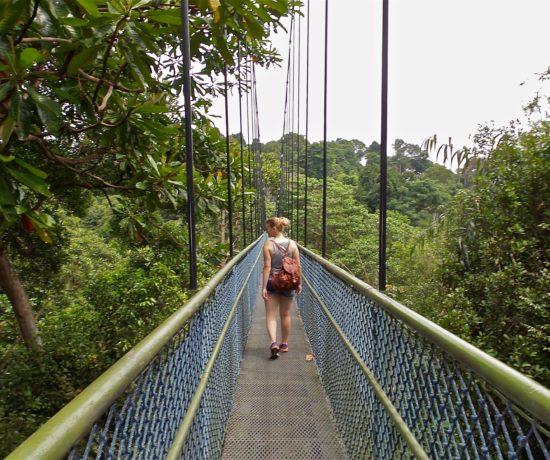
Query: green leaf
(5, 89)
(90, 7)
(29, 57)
(6, 195)
(48, 109)
(11, 11)
(254, 27)
(6, 159)
(277, 6)
(6, 129)
(84, 59)
(141, 185)
(172, 16)
(150, 108)
(153, 164)
(30, 168)
(74, 22)
(35, 183)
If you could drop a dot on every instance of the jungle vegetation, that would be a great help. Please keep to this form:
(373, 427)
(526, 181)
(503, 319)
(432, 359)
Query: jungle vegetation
(93, 238)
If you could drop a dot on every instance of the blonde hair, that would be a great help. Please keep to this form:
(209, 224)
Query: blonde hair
(280, 223)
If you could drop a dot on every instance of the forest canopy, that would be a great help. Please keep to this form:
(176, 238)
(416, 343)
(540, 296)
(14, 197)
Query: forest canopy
(93, 238)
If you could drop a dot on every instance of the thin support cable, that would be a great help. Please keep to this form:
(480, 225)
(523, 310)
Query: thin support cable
(242, 146)
(307, 126)
(297, 224)
(261, 204)
(324, 238)
(283, 195)
(228, 161)
(383, 151)
(186, 54)
(292, 130)
(255, 142)
(248, 110)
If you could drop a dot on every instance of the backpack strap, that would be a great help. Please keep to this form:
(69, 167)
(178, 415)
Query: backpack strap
(281, 248)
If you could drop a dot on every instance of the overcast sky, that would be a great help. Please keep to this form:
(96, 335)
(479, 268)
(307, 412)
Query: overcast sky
(453, 64)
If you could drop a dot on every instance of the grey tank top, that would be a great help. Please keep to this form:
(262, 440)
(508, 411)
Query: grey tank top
(277, 255)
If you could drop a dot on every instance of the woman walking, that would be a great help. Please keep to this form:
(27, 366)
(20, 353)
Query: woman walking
(273, 251)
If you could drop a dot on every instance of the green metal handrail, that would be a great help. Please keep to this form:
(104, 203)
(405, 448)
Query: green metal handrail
(517, 387)
(398, 421)
(185, 427)
(56, 437)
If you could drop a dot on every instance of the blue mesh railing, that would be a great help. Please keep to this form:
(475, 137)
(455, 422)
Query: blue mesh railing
(171, 395)
(402, 387)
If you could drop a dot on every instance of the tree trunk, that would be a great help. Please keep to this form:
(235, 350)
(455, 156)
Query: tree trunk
(12, 287)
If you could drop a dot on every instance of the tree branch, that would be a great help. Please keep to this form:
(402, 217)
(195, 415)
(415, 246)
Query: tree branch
(106, 57)
(29, 22)
(101, 80)
(45, 40)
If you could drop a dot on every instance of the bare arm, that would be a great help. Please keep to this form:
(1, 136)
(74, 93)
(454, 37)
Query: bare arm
(267, 268)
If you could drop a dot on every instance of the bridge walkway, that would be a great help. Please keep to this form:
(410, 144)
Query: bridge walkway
(280, 410)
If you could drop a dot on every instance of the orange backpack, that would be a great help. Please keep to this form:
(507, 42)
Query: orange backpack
(289, 277)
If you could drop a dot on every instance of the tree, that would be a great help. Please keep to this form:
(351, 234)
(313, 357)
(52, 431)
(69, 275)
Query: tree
(88, 100)
(497, 266)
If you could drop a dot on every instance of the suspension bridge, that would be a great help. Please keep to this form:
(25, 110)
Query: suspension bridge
(373, 380)
(365, 378)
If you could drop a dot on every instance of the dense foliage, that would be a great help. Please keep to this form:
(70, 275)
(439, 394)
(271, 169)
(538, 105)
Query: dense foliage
(92, 197)
(93, 245)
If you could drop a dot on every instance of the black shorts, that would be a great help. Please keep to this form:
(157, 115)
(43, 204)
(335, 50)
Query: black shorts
(289, 294)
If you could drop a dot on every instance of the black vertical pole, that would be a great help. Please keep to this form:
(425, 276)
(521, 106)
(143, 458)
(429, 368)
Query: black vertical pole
(292, 131)
(297, 224)
(307, 126)
(228, 160)
(383, 151)
(248, 110)
(189, 143)
(242, 147)
(324, 240)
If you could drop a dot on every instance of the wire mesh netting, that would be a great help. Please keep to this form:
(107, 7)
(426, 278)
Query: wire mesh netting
(452, 412)
(143, 422)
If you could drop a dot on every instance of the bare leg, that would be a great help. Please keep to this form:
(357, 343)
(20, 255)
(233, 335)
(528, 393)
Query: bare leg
(286, 320)
(271, 316)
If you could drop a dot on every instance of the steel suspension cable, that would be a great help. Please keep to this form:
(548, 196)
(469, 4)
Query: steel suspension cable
(259, 180)
(248, 80)
(284, 177)
(324, 238)
(292, 130)
(307, 126)
(254, 143)
(383, 151)
(242, 146)
(186, 54)
(297, 224)
(228, 160)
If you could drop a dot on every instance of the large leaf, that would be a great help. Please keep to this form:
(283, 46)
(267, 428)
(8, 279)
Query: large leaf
(11, 12)
(6, 195)
(255, 29)
(277, 6)
(35, 183)
(49, 110)
(6, 129)
(151, 108)
(29, 57)
(30, 168)
(86, 58)
(90, 7)
(172, 16)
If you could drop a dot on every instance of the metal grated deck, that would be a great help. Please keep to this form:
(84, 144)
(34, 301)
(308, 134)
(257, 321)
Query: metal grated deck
(280, 410)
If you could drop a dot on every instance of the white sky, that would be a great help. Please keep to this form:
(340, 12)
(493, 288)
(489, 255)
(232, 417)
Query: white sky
(453, 64)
